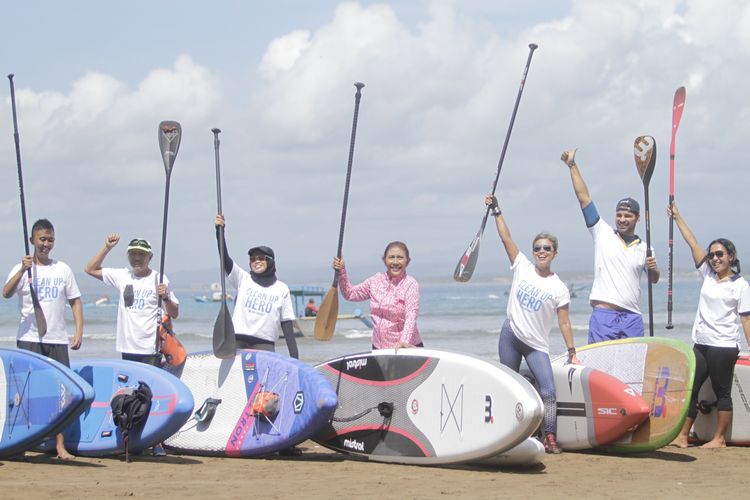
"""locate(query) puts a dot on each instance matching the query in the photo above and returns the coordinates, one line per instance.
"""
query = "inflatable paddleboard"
(660, 370)
(423, 406)
(95, 433)
(738, 432)
(594, 408)
(529, 452)
(39, 397)
(255, 403)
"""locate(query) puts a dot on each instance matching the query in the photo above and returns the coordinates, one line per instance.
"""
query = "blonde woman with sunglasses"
(723, 307)
(537, 297)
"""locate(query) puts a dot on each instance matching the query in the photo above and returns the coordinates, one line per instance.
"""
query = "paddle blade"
(328, 313)
(224, 343)
(170, 135)
(41, 321)
(467, 263)
(677, 107)
(644, 150)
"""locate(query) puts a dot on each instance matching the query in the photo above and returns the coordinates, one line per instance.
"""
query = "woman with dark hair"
(394, 299)
(263, 307)
(723, 306)
(537, 297)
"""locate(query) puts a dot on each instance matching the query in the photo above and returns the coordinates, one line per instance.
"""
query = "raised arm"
(354, 293)
(94, 266)
(579, 186)
(10, 286)
(502, 228)
(697, 251)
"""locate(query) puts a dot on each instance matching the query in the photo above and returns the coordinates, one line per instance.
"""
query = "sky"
(94, 79)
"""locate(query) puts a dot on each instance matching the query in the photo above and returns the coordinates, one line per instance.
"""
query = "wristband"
(571, 351)
(496, 211)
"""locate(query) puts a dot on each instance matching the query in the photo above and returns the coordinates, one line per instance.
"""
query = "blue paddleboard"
(255, 403)
(39, 398)
(95, 433)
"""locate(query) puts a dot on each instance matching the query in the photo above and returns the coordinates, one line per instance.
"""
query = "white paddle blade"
(170, 136)
(644, 151)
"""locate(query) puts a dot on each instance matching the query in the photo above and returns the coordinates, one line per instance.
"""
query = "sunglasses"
(257, 258)
(138, 242)
(539, 248)
(718, 254)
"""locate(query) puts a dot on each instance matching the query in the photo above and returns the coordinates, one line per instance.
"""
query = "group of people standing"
(263, 307)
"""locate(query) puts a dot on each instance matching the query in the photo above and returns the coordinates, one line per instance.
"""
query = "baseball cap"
(628, 205)
(140, 244)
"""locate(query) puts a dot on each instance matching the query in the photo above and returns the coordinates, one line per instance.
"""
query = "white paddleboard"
(529, 452)
(424, 406)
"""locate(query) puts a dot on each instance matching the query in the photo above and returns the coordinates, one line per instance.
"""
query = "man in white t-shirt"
(55, 287)
(620, 258)
(138, 312)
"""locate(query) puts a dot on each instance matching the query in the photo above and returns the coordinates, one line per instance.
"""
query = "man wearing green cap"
(619, 261)
(138, 311)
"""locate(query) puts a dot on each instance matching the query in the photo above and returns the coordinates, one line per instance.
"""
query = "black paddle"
(170, 135)
(677, 107)
(644, 150)
(224, 342)
(468, 261)
(325, 321)
(41, 321)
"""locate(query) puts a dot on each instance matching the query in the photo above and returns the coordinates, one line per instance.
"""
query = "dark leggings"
(511, 349)
(718, 364)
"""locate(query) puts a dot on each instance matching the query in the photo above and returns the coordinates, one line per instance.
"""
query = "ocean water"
(461, 317)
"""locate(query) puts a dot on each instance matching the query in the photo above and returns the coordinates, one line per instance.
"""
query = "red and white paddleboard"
(738, 432)
(594, 408)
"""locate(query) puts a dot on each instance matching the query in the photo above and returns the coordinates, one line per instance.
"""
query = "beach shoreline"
(322, 474)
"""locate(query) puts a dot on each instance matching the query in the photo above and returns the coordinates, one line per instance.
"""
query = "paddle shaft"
(677, 108)
(648, 254)
(41, 321)
(357, 98)
(216, 133)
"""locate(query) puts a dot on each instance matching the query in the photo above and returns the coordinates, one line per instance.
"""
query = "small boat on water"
(215, 295)
(305, 322)
(102, 301)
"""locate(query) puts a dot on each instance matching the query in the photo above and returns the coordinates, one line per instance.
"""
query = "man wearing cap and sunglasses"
(138, 308)
(619, 261)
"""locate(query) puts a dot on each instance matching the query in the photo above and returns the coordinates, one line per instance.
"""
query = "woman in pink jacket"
(394, 299)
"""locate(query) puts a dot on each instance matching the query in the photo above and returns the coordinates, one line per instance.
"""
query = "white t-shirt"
(258, 310)
(617, 268)
(717, 322)
(136, 325)
(533, 303)
(55, 285)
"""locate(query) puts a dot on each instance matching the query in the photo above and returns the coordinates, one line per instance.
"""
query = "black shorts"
(250, 342)
(58, 352)
(147, 359)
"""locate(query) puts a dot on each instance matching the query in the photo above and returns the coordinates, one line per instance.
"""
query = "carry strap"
(207, 410)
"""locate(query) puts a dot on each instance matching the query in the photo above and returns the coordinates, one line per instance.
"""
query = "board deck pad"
(94, 433)
(425, 406)
(660, 370)
(228, 393)
(738, 432)
(39, 397)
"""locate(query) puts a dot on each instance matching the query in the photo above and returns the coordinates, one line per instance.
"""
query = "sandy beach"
(319, 473)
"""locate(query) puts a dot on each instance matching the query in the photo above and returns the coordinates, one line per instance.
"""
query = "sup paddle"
(41, 321)
(325, 321)
(677, 107)
(224, 342)
(170, 135)
(468, 261)
(644, 150)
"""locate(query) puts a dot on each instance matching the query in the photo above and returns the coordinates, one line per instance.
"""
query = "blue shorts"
(607, 324)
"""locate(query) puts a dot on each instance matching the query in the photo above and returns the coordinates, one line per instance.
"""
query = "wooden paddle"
(644, 150)
(468, 261)
(325, 321)
(677, 107)
(224, 341)
(41, 321)
(170, 136)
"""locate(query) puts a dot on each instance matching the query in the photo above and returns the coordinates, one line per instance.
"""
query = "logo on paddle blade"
(170, 131)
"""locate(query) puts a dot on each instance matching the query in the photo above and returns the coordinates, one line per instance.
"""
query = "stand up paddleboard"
(95, 433)
(660, 370)
(738, 432)
(529, 452)
(423, 406)
(255, 403)
(39, 397)
(594, 408)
